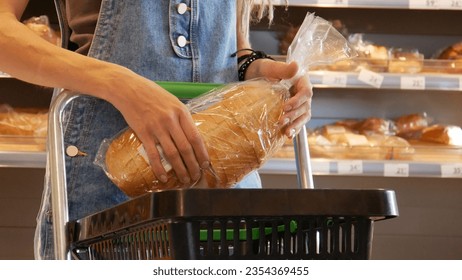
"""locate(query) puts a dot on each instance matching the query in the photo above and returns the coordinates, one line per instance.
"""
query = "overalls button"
(73, 151)
(182, 8)
(181, 40)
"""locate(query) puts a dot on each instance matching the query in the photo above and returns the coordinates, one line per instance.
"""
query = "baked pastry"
(453, 51)
(411, 126)
(405, 61)
(41, 26)
(375, 125)
(240, 131)
(443, 134)
(386, 147)
(23, 124)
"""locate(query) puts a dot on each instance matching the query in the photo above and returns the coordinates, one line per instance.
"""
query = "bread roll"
(19, 123)
(452, 52)
(443, 134)
(410, 126)
(240, 131)
(374, 125)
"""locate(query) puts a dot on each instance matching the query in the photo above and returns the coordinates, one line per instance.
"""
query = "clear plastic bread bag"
(238, 121)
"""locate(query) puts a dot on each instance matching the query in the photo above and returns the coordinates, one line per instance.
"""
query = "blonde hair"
(254, 11)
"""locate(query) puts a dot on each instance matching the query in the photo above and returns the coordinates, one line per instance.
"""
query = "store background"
(428, 226)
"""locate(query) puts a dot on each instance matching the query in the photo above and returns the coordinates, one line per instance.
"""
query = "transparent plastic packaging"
(23, 122)
(22, 129)
(41, 26)
(238, 122)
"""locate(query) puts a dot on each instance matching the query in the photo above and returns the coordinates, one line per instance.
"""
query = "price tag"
(350, 167)
(451, 4)
(396, 170)
(424, 4)
(343, 3)
(413, 82)
(339, 80)
(370, 78)
(451, 170)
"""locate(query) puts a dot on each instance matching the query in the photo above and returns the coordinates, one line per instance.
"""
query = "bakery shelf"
(382, 4)
(23, 159)
(369, 79)
(435, 75)
(387, 168)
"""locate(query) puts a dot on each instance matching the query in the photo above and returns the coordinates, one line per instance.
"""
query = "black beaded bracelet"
(245, 60)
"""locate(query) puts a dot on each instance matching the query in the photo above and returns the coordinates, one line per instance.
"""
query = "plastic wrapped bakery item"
(411, 126)
(374, 125)
(370, 56)
(453, 52)
(22, 129)
(388, 147)
(23, 122)
(405, 61)
(448, 60)
(239, 125)
(41, 26)
(442, 134)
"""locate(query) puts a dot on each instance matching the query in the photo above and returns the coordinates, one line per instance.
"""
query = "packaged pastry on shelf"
(405, 61)
(41, 26)
(442, 134)
(410, 126)
(452, 52)
(447, 60)
(322, 147)
(387, 147)
(23, 122)
(370, 56)
(22, 129)
(375, 125)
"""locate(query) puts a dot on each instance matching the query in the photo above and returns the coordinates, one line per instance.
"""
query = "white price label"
(370, 78)
(424, 4)
(460, 83)
(451, 170)
(451, 4)
(396, 170)
(413, 82)
(343, 3)
(322, 167)
(350, 167)
(339, 80)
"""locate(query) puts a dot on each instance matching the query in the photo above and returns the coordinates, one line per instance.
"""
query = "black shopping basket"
(283, 223)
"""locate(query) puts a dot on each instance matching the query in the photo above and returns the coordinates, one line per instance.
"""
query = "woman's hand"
(297, 110)
(159, 118)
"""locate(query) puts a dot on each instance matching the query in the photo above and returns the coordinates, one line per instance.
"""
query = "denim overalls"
(163, 40)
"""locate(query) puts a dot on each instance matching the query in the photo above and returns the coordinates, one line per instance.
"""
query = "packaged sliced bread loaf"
(239, 125)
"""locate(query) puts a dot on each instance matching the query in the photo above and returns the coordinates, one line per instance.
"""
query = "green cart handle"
(187, 90)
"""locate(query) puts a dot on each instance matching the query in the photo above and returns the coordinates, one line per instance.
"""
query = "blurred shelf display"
(383, 4)
(345, 167)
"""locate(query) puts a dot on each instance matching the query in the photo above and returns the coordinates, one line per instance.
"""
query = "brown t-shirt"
(82, 16)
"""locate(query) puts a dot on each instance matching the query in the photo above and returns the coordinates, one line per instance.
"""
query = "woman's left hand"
(297, 110)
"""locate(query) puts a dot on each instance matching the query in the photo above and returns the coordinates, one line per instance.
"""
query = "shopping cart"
(286, 223)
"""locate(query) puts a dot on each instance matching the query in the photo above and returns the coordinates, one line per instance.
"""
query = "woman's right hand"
(159, 118)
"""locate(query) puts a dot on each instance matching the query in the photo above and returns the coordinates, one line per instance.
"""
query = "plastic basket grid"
(306, 237)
